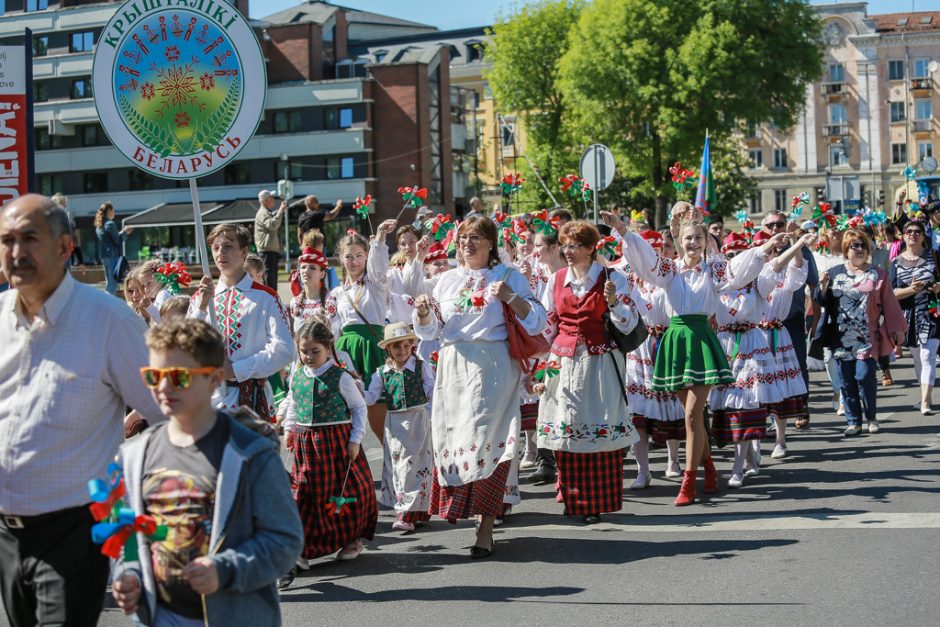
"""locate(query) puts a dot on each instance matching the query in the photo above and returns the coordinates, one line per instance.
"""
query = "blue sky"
(450, 15)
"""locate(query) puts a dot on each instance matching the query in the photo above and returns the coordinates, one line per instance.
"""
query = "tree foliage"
(649, 77)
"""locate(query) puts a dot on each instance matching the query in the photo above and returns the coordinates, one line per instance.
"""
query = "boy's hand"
(126, 593)
(353, 449)
(205, 291)
(202, 575)
(290, 440)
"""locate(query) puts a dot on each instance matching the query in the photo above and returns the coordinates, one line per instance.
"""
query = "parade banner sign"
(15, 123)
(179, 85)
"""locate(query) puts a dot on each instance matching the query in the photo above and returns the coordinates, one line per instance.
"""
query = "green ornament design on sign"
(171, 85)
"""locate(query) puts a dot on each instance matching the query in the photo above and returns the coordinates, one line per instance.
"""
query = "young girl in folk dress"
(325, 421)
(407, 384)
(361, 304)
(312, 301)
(690, 360)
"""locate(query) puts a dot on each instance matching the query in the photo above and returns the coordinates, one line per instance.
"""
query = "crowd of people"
(491, 346)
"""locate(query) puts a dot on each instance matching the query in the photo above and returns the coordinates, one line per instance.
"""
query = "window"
(82, 42)
(780, 158)
(923, 109)
(474, 52)
(838, 156)
(837, 113)
(81, 88)
(45, 141)
(36, 5)
(898, 154)
(780, 200)
(49, 184)
(924, 150)
(836, 73)
(236, 173)
(94, 182)
(287, 121)
(507, 133)
(338, 118)
(751, 129)
(346, 167)
(898, 111)
(756, 155)
(920, 69)
(40, 45)
(296, 172)
(896, 70)
(333, 168)
(92, 135)
(40, 92)
(757, 207)
(345, 118)
(138, 180)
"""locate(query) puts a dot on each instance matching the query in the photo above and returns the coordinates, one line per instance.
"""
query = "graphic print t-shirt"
(179, 491)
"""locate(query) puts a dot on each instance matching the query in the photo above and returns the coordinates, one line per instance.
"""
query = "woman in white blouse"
(475, 416)
(690, 359)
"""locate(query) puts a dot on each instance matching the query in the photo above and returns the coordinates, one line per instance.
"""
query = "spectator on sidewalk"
(313, 217)
(110, 244)
(268, 223)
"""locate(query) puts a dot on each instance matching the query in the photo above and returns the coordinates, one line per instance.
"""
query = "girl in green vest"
(407, 384)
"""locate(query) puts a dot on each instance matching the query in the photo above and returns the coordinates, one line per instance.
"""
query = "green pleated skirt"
(361, 341)
(689, 354)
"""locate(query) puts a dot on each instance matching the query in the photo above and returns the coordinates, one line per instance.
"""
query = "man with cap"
(268, 234)
(313, 217)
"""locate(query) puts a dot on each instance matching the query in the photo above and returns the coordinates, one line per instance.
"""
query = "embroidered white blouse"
(454, 319)
(623, 314)
(350, 393)
(377, 386)
(785, 286)
(369, 293)
(694, 289)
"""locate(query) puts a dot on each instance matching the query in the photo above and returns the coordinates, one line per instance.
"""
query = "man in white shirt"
(69, 366)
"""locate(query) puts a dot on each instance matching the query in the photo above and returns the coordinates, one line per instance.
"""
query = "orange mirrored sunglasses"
(180, 378)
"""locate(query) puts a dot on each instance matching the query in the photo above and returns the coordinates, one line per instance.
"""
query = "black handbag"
(625, 342)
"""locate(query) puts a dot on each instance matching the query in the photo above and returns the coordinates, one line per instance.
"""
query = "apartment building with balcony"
(335, 127)
(871, 114)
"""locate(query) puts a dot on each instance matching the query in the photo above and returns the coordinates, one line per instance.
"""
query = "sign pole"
(200, 233)
(597, 178)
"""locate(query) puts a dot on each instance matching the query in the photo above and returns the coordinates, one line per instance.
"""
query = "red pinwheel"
(512, 183)
(934, 307)
(434, 358)
(682, 178)
(503, 220)
(609, 247)
(440, 226)
(823, 211)
(173, 276)
(544, 224)
(546, 370)
(362, 206)
(575, 187)
(413, 197)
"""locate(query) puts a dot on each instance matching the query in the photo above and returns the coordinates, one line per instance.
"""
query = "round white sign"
(179, 89)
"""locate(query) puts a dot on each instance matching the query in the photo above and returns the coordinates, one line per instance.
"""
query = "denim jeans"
(111, 283)
(858, 387)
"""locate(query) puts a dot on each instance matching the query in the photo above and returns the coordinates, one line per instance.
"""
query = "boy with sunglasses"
(219, 488)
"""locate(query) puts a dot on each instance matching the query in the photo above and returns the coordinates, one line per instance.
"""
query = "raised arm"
(646, 262)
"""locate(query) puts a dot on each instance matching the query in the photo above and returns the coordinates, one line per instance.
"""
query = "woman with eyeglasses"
(690, 359)
(863, 319)
(583, 414)
(913, 275)
(475, 418)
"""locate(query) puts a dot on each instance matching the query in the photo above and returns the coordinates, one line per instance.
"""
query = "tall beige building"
(872, 114)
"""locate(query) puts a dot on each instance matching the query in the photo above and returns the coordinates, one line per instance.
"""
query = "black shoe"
(545, 474)
(592, 519)
(478, 552)
(285, 581)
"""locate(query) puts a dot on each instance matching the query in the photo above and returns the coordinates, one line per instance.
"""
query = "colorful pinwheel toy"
(512, 183)
(502, 220)
(173, 277)
(413, 197)
(362, 206)
(546, 370)
(440, 226)
(910, 172)
(796, 206)
(874, 218)
(434, 358)
(822, 246)
(116, 523)
(741, 216)
(844, 222)
(544, 224)
(609, 247)
(637, 216)
(823, 211)
(934, 306)
(575, 187)
(335, 504)
(682, 178)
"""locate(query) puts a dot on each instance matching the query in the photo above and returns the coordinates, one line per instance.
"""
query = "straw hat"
(396, 332)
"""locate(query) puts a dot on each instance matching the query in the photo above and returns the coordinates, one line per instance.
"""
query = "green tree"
(649, 77)
(523, 51)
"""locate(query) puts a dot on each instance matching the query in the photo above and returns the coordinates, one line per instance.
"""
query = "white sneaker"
(874, 427)
(673, 470)
(852, 430)
(735, 482)
(642, 482)
(303, 563)
(751, 471)
(528, 464)
(780, 451)
(402, 525)
(841, 410)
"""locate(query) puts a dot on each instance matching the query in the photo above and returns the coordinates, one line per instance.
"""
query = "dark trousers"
(51, 573)
(796, 327)
(270, 268)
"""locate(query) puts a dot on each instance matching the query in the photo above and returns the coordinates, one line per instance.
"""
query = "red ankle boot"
(711, 477)
(687, 491)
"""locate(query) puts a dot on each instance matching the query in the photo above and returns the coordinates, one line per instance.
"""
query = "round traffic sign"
(597, 166)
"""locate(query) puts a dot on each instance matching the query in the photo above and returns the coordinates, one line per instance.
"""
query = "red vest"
(579, 319)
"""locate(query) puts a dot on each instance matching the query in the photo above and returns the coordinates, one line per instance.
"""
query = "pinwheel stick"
(407, 204)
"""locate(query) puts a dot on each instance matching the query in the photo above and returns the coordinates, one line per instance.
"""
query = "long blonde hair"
(102, 215)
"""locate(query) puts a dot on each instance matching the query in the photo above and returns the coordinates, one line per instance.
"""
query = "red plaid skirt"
(660, 430)
(530, 414)
(793, 407)
(590, 483)
(320, 464)
(251, 395)
(738, 425)
(415, 517)
(483, 497)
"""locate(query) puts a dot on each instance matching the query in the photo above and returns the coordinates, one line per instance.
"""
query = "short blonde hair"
(191, 336)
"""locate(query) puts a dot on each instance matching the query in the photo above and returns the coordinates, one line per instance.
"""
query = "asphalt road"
(843, 531)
